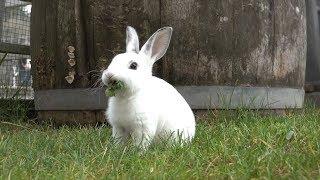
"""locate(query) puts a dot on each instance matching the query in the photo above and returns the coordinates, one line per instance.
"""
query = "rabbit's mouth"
(112, 83)
(114, 87)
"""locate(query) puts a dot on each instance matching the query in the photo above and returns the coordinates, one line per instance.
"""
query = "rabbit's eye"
(133, 66)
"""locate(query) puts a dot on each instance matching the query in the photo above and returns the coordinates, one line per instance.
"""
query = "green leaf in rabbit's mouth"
(114, 87)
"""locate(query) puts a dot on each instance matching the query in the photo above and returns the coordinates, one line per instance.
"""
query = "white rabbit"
(147, 108)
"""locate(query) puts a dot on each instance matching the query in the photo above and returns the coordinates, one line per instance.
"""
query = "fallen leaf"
(71, 55)
(71, 49)
(72, 62)
(290, 135)
(70, 79)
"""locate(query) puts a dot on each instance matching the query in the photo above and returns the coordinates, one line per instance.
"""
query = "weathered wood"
(228, 97)
(252, 42)
(97, 31)
(110, 21)
(199, 97)
(88, 18)
(72, 117)
(55, 26)
(216, 44)
(62, 26)
(312, 86)
(81, 45)
(261, 43)
(98, 26)
(38, 47)
(313, 55)
(308, 87)
(71, 99)
(183, 51)
(2, 11)
(14, 48)
(66, 29)
(313, 98)
(44, 44)
(51, 45)
(290, 43)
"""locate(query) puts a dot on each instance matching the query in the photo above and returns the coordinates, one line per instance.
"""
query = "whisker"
(92, 71)
(95, 86)
(96, 75)
(94, 90)
(101, 85)
(96, 83)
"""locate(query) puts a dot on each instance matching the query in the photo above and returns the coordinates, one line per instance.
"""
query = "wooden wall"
(221, 42)
(261, 43)
(95, 28)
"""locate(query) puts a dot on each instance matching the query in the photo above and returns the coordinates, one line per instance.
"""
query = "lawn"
(240, 146)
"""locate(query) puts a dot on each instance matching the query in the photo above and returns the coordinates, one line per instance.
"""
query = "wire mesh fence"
(15, 63)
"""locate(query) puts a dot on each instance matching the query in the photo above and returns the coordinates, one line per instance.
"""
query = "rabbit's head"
(133, 66)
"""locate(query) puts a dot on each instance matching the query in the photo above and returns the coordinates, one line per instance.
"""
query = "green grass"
(226, 146)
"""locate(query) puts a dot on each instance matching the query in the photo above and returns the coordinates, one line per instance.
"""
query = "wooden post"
(2, 14)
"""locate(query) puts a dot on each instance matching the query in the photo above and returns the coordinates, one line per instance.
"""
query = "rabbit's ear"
(132, 40)
(157, 44)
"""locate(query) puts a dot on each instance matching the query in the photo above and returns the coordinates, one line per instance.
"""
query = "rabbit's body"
(138, 112)
(147, 108)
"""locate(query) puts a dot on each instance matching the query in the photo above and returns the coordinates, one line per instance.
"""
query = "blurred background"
(15, 67)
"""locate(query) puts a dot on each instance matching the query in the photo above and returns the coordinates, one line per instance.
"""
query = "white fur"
(148, 108)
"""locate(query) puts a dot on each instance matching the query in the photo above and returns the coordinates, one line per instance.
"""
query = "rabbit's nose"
(108, 75)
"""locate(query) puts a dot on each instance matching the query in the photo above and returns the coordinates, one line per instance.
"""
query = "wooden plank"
(81, 44)
(70, 99)
(180, 64)
(260, 43)
(61, 27)
(51, 45)
(253, 33)
(199, 97)
(66, 30)
(82, 118)
(88, 18)
(14, 48)
(228, 97)
(38, 46)
(313, 54)
(308, 87)
(44, 43)
(313, 86)
(215, 46)
(290, 43)
(2, 11)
